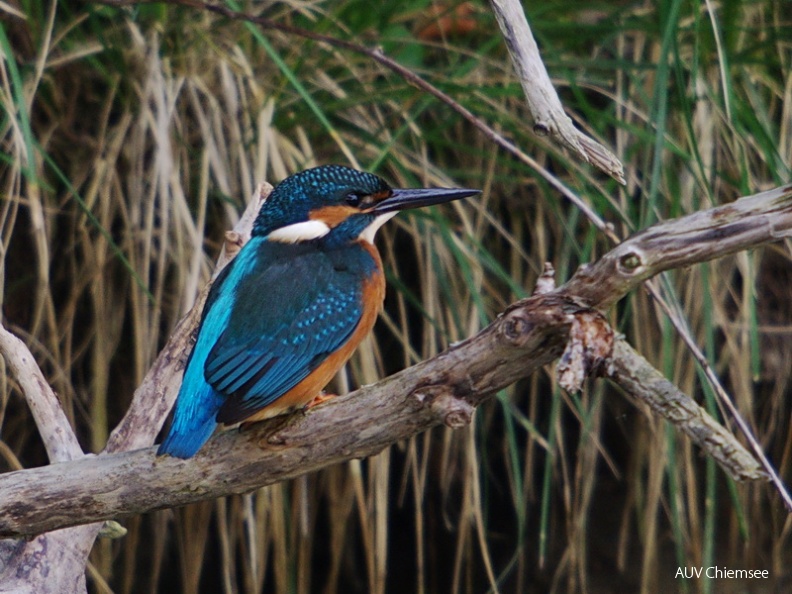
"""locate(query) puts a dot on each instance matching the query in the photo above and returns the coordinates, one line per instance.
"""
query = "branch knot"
(516, 327)
(453, 411)
(630, 263)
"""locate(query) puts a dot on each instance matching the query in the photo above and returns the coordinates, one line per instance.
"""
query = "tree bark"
(565, 322)
(443, 390)
(540, 95)
(54, 562)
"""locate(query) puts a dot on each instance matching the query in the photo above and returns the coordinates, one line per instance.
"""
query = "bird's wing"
(288, 316)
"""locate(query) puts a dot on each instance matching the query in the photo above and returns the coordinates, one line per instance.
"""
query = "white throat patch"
(370, 231)
(304, 231)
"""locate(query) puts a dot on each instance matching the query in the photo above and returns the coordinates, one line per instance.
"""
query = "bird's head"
(339, 204)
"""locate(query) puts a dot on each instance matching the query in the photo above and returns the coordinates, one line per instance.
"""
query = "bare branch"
(643, 382)
(443, 390)
(744, 224)
(543, 102)
(720, 393)
(53, 425)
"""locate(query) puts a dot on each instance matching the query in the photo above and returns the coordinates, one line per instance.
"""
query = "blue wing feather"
(194, 417)
(273, 315)
(255, 367)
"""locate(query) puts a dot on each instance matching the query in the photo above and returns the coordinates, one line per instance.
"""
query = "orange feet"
(320, 398)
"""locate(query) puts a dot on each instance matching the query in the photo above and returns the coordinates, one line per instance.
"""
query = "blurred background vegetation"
(133, 136)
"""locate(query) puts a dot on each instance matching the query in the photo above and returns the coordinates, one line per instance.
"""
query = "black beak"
(409, 198)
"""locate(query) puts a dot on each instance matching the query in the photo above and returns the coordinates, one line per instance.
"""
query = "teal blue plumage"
(292, 297)
(307, 303)
(264, 332)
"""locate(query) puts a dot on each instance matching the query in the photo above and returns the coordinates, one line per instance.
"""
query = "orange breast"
(311, 386)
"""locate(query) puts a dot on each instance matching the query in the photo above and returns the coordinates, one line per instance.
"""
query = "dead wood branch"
(543, 102)
(53, 425)
(644, 383)
(54, 562)
(445, 389)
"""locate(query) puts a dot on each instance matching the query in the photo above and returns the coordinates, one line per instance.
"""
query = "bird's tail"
(193, 421)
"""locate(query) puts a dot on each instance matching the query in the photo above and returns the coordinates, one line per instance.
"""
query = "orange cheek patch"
(333, 215)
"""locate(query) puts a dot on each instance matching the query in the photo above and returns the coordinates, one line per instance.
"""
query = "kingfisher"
(289, 310)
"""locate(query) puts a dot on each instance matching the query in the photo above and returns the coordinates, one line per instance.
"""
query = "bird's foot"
(320, 398)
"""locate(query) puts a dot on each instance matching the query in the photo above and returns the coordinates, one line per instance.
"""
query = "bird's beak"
(402, 199)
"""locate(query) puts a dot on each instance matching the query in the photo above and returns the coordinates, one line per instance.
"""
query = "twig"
(643, 382)
(543, 102)
(724, 399)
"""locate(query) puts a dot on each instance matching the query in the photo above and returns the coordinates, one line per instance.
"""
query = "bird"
(289, 310)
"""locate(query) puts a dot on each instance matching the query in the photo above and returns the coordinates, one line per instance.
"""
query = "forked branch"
(442, 390)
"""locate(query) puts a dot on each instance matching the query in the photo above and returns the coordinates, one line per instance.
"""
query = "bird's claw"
(320, 398)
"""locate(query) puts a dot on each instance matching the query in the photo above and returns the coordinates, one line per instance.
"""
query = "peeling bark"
(443, 390)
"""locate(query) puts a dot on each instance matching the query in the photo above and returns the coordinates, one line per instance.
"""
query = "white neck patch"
(370, 231)
(304, 231)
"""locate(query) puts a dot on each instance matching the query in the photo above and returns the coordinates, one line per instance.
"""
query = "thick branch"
(744, 224)
(442, 390)
(445, 389)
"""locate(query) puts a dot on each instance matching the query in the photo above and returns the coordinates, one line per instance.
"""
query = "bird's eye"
(354, 198)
